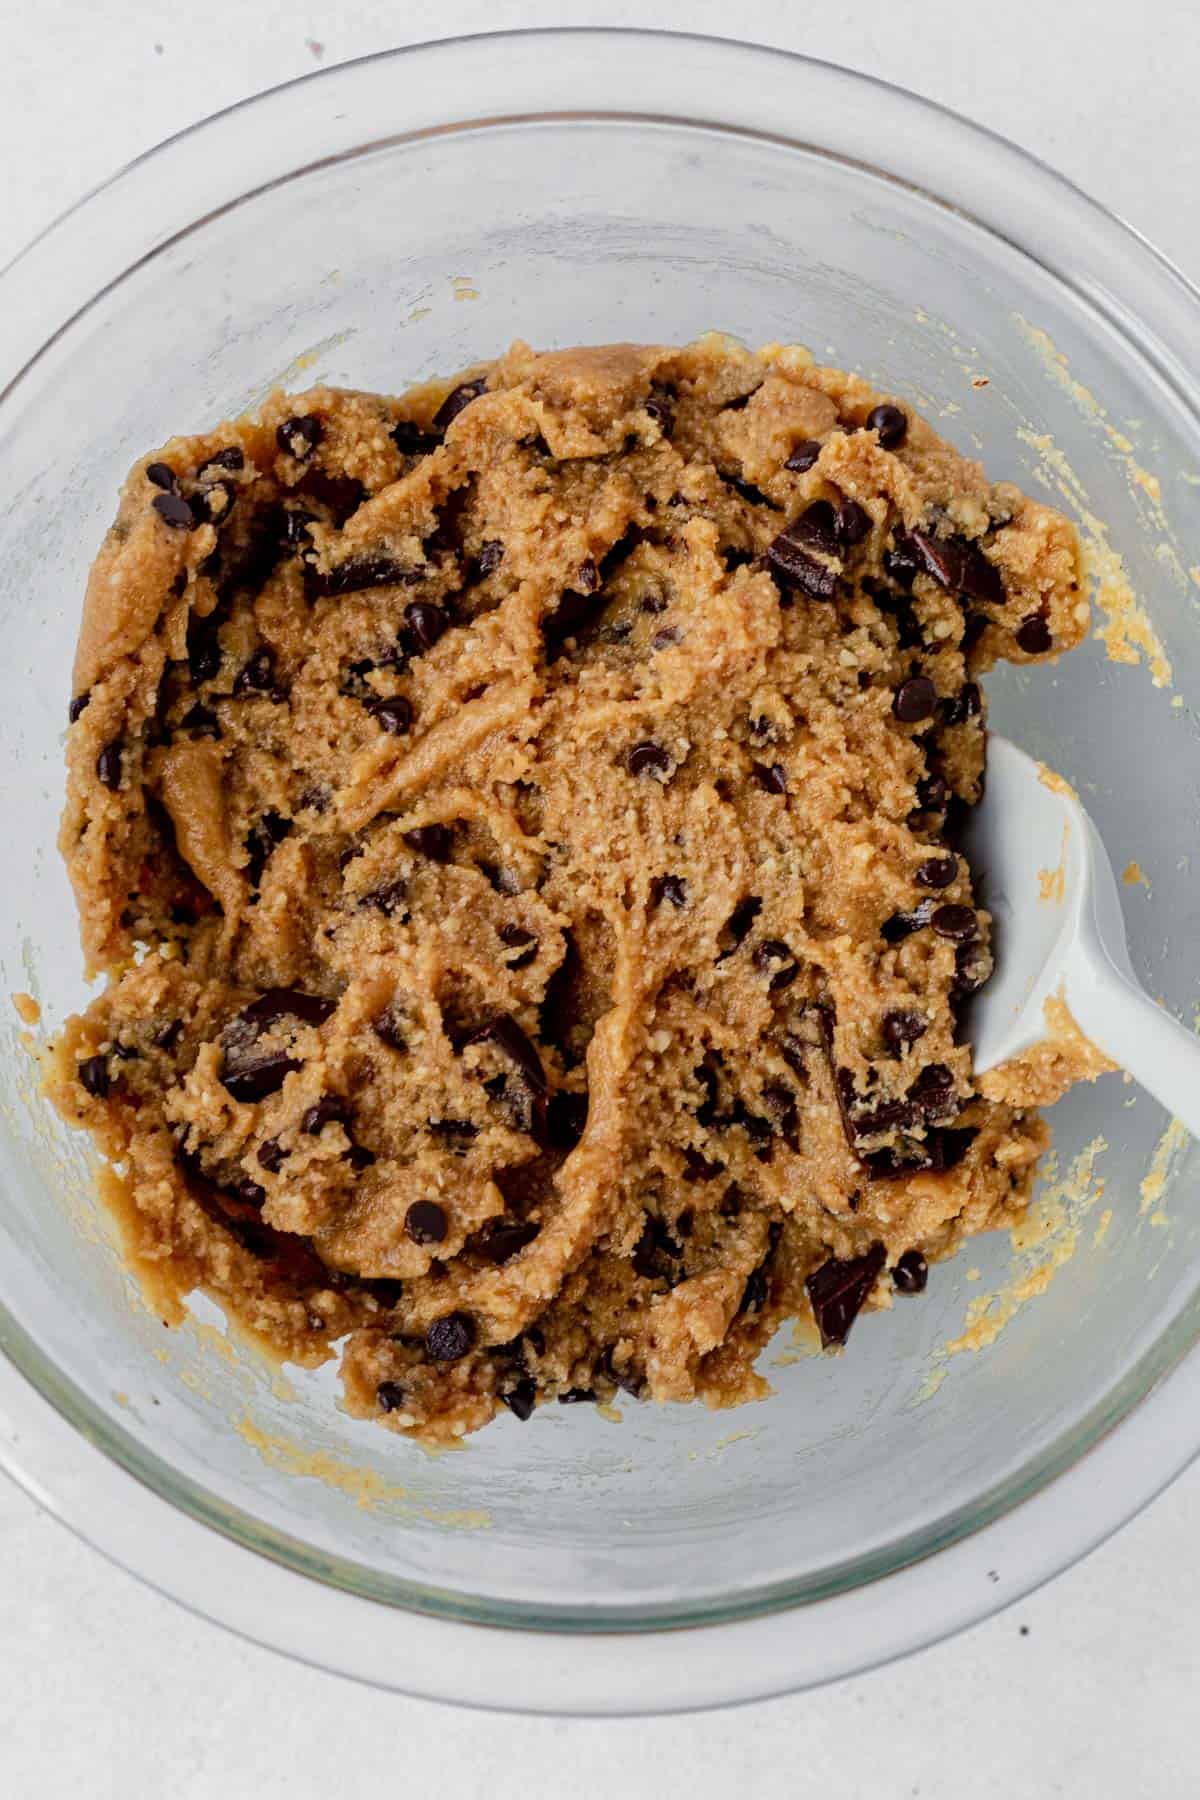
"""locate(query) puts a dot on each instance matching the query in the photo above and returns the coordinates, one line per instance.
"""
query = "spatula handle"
(1123, 1021)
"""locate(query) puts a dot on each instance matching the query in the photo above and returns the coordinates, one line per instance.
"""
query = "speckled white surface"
(1086, 1689)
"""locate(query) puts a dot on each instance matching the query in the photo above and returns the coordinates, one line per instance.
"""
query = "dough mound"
(515, 822)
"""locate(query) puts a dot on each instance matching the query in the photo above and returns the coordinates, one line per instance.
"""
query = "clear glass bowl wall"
(404, 256)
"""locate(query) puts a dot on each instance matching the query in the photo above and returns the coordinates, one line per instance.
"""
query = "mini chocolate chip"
(257, 675)
(411, 440)
(108, 764)
(517, 938)
(450, 1338)
(915, 699)
(299, 436)
(162, 476)
(910, 1273)
(648, 759)
(395, 714)
(426, 1222)
(500, 1239)
(668, 887)
(330, 1109)
(434, 841)
(521, 1400)
(937, 872)
(174, 510)
(839, 1288)
(426, 621)
(774, 957)
(771, 777)
(853, 522)
(457, 400)
(77, 705)
(491, 555)
(390, 1396)
(93, 1076)
(957, 923)
(903, 924)
(389, 1029)
(901, 1027)
(200, 721)
(272, 1156)
(891, 422)
(803, 456)
(231, 457)
(1033, 635)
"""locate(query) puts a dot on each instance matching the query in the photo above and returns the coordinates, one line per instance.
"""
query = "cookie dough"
(516, 823)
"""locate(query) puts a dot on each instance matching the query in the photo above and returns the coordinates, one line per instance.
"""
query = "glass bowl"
(399, 217)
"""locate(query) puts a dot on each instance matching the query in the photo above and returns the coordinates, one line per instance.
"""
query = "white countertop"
(1085, 1689)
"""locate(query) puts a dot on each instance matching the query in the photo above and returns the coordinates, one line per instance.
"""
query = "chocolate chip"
(200, 721)
(359, 1157)
(500, 1239)
(521, 1400)
(754, 496)
(668, 887)
(215, 502)
(395, 714)
(389, 1029)
(853, 522)
(937, 872)
(915, 699)
(426, 1222)
(754, 1294)
(390, 1396)
(411, 440)
(299, 436)
(973, 966)
(698, 1168)
(966, 704)
(450, 1338)
(161, 475)
(739, 922)
(457, 400)
(174, 510)
(434, 841)
(957, 923)
(838, 1289)
(648, 759)
(93, 1076)
(891, 422)
(803, 456)
(577, 1396)
(901, 1027)
(262, 838)
(257, 675)
(771, 777)
(900, 560)
(456, 1134)
(1033, 635)
(358, 573)
(517, 938)
(108, 765)
(167, 1036)
(78, 705)
(933, 793)
(330, 1109)
(910, 1273)
(232, 457)
(508, 1037)
(491, 555)
(272, 1156)
(389, 899)
(903, 924)
(294, 527)
(426, 621)
(774, 957)
(566, 1119)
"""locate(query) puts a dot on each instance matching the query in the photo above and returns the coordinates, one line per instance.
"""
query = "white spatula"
(1043, 874)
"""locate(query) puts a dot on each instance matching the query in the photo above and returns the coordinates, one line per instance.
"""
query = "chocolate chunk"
(915, 699)
(200, 721)
(93, 1076)
(450, 1338)
(942, 558)
(78, 705)
(803, 456)
(426, 621)
(1033, 635)
(853, 523)
(754, 496)
(390, 1396)
(648, 759)
(903, 924)
(395, 714)
(566, 1119)
(389, 1029)
(668, 887)
(250, 1074)
(257, 675)
(358, 573)
(504, 1032)
(108, 765)
(891, 422)
(521, 1400)
(161, 475)
(411, 440)
(577, 1396)
(457, 400)
(771, 777)
(698, 1168)
(966, 704)
(330, 1109)
(980, 579)
(517, 938)
(937, 872)
(426, 1222)
(359, 1157)
(574, 611)
(434, 841)
(774, 958)
(500, 1239)
(901, 1027)
(790, 555)
(272, 1156)
(739, 922)
(933, 1090)
(491, 555)
(299, 436)
(910, 1273)
(456, 1134)
(958, 923)
(174, 511)
(215, 502)
(294, 526)
(780, 1103)
(838, 1289)
(950, 1145)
